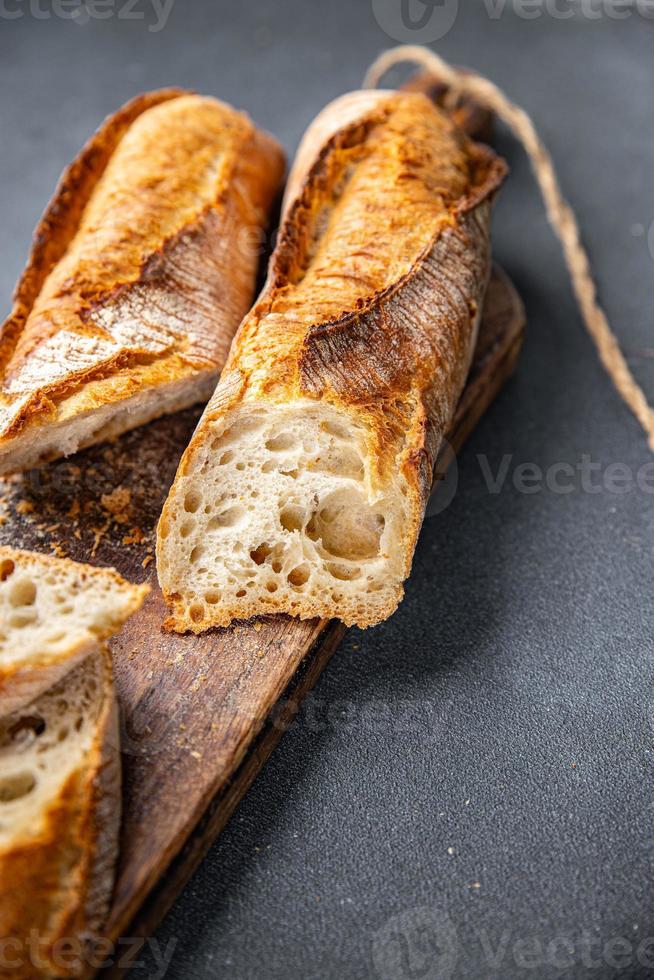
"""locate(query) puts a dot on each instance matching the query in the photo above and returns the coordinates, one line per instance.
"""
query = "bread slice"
(59, 822)
(304, 486)
(141, 270)
(53, 612)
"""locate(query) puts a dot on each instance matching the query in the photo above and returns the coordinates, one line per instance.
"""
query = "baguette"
(52, 613)
(59, 823)
(141, 269)
(304, 487)
(59, 759)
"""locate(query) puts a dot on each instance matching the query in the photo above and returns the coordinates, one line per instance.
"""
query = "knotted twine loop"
(559, 213)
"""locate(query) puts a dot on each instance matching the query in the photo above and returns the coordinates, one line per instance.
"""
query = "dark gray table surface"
(469, 793)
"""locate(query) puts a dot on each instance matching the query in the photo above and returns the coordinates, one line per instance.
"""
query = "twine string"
(559, 213)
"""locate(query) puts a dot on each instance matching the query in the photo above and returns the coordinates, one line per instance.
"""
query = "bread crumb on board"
(118, 503)
(98, 534)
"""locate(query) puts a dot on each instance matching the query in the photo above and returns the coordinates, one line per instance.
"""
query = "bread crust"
(387, 338)
(57, 879)
(21, 681)
(140, 271)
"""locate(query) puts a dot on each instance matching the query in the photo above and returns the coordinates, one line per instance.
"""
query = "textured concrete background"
(470, 791)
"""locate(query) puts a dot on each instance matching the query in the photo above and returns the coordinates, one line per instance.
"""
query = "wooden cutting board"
(199, 715)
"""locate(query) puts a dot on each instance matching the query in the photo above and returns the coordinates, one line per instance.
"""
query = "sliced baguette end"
(54, 612)
(281, 509)
(59, 820)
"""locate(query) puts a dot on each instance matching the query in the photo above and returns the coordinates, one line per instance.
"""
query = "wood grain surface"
(199, 715)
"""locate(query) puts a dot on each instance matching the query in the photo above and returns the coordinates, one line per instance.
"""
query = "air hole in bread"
(19, 620)
(16, 785)
(281, 442)
(346, 573)
(292, 517)
(228, 518)
(197, 612)
(26, 728)
(186, 528)
(192, 501)
(339, 461)
(335, 429)
(311, 529)
(226, 457)
(348, 527)
(196, 554)
(22, 592)
(299, 575)
(259, 555)
(6, 569)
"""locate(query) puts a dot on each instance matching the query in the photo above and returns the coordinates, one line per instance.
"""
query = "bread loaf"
(52, 613)
(304, 486)
(59, 821)
(141, 270)
(59, 760)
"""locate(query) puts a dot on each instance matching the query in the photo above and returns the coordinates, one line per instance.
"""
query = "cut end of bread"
(60, 815)
(52, 612)
(42, 744)
(75, 426)
(280, 510)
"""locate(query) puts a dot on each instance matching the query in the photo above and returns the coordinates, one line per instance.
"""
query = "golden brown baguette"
(141, 269)
(59, 822)
(305, 484)
(59, 758)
